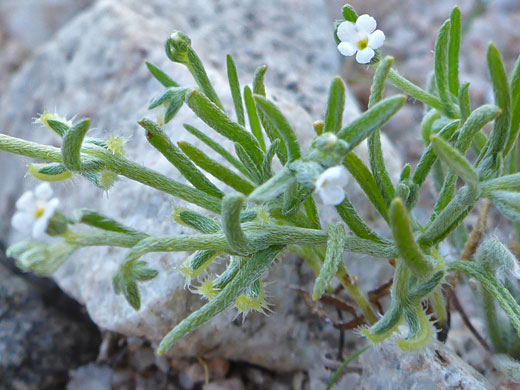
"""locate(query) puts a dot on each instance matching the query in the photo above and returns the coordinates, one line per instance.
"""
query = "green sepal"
(349, 14)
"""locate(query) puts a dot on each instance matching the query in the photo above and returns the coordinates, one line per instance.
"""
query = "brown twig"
(466, 320)
(478, 231)
(316, 309)
(375, 295)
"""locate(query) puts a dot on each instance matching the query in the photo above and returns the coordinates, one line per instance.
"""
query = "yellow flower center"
(39, 212)
(362, 44)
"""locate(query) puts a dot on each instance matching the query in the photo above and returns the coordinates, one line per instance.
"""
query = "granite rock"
(40, 340)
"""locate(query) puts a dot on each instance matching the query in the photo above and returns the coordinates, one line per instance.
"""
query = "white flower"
(330, 184)
(360, 38)
(35, 210)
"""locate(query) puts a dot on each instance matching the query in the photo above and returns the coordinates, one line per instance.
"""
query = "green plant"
(275, 211)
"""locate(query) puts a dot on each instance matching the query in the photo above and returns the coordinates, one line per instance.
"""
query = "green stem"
(119, 165)
(414, 91)
(357, 295)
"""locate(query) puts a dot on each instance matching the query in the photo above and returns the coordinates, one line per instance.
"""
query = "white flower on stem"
(360, 38)
(330, 184)
(35, 210)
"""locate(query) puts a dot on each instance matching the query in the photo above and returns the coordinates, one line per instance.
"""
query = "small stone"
(90, 377)
(218, 368)
(192, 375)
(227, 384)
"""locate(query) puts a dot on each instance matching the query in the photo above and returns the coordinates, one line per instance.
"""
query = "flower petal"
(26, 201)
(332, 195)
(347, 48)
(22, 221)
(43, 191)
(365, 56)
(366, 24)
(347, 32)
(336, 175)
(376, 39)
(39, 227)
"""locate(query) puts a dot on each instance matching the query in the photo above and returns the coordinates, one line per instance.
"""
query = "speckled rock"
(435, 367)
(39, 343)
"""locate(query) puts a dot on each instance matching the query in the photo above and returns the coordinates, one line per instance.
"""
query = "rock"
(90, 377)
(39, 343)
(32, 23)
(25, 25)
(434, 367)
(79, 73)
(386, 367)
(226, 384)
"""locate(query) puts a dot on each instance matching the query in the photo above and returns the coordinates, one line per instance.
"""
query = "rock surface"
(39, 343)
(434, 367)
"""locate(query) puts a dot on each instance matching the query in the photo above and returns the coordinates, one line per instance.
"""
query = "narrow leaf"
(454, 159)
(100, 221)
(362, 175)
(464, 102)
(158, 138)
(515, 107)
(375, 150)
(408, 249)
(335, 106)
(350, 216)
(71, 147)
(161, 76)
(268, 159)
(252, 270)
(251, 167)
(453, 51)
(497, 73)
(356, 131)
(201, 77)
(273, 114)
(333, 258)
(474, 123)
(441, 67)
(216, 169)
(215, 118)
(258, 80)
(252, 114)
(218, 148)
(234, 86)
(508, 203)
